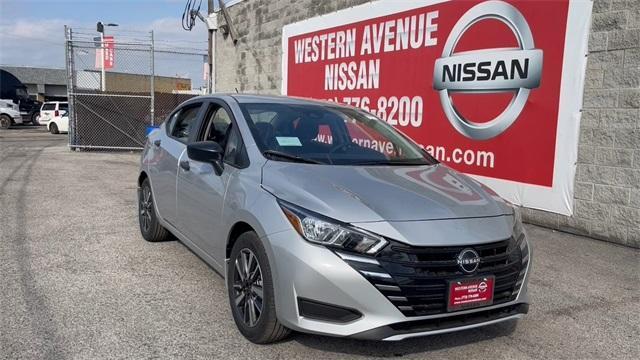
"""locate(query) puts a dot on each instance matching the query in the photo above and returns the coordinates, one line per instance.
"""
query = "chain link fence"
(120, 85)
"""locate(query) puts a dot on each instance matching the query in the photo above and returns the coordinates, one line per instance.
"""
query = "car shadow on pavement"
(405, 347)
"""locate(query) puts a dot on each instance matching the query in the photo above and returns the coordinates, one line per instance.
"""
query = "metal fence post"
(68, 50)
(153, 75)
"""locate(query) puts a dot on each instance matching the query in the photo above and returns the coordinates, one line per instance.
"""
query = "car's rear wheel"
(150, 227)
(5, 122)
(250, 288)
(53, 128)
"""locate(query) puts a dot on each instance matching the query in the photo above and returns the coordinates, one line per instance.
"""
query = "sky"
(32, 31)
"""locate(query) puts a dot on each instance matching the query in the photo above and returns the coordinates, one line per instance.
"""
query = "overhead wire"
(190, 13)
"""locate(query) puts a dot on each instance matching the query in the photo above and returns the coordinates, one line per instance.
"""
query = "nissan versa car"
(325, 219)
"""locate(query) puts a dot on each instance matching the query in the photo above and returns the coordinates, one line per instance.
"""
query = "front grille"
(415, 279)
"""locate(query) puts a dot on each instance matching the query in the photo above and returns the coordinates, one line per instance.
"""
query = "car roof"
(255, 98)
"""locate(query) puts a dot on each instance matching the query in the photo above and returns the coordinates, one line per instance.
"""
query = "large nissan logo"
(489, 70)
(468, 260)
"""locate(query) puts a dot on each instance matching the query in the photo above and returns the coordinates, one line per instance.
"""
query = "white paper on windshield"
(288, 141)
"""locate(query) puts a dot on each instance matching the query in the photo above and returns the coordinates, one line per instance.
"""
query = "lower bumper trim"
(409, 329)
(326, 312)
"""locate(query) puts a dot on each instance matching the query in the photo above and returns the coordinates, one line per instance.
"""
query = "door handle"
(185, 165)
(157, 142)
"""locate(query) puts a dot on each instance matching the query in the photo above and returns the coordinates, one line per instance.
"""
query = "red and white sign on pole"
(109, 52)
(490, 88)
(106, 50)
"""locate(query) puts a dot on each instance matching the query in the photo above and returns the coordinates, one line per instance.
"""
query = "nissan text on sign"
(490, 88)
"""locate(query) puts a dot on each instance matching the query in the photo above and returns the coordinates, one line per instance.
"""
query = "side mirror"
(208, 152)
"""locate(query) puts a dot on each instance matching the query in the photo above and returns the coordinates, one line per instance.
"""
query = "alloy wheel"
(146, 207)
(248, 287)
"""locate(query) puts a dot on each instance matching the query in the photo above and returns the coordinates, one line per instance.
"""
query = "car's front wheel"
(250, 288)
(5, 122)
(150, 226)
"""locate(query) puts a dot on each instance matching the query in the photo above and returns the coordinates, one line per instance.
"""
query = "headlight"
(518, 229)
(319, 229)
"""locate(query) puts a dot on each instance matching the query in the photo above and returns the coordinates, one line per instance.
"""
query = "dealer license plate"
(470, 293)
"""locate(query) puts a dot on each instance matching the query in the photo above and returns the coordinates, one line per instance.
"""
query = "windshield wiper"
(284, 155)
(395, 162)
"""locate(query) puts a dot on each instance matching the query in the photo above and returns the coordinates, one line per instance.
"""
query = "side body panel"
(163, 175)
(201, 195)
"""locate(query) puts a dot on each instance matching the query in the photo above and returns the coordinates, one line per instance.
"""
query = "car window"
(235, 153)
(181, 122)
(325, 135)
(218, 127)
(170, 121)
(63, 106)
(48, 106)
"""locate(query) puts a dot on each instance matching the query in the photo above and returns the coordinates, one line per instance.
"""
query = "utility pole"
(210, 80)
(103, 74)
(188, 18)
(153, 79)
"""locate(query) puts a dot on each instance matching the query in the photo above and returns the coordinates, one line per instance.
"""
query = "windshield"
(328, 135)
(21, 93)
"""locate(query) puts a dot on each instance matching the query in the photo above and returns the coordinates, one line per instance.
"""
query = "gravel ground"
(78, 281)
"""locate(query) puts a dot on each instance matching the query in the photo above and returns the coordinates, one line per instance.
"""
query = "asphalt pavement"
(78, 281)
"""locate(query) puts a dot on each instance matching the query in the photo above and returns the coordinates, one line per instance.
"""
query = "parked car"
(9, 114)
(325, 219)
(59, 123)
(51, 110)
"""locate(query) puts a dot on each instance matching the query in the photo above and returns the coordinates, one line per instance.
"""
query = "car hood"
(382, 193)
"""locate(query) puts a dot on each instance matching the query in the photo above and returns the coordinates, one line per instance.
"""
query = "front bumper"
(452, 323)
(16, 118)
(303, 270)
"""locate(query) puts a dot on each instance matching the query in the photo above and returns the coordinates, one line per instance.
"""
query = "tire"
(150, 227)
(35, 117)
(266, 328)
(53, 128)
(5, 121)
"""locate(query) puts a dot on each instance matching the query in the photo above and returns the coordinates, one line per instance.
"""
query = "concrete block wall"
(607, 184)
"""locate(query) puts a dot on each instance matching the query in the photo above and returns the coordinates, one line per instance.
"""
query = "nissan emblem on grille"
(488, 70)
(468, 260)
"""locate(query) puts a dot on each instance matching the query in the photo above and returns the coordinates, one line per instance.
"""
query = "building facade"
(43, 84)
(46, 84)
(607, 182)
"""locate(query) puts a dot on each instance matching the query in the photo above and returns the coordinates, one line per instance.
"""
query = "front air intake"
(326, 312)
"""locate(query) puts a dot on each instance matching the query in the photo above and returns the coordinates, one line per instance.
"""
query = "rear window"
(48, 107)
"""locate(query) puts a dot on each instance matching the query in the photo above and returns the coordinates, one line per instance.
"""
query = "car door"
(168, 148)
(47, 111)
(63, 118)
(201, 192)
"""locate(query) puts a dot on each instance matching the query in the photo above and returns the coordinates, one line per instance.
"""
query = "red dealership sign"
(109, 52)
(105, 50)
(484, 86)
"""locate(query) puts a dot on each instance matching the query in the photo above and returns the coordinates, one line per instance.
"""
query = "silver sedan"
(324, 219)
